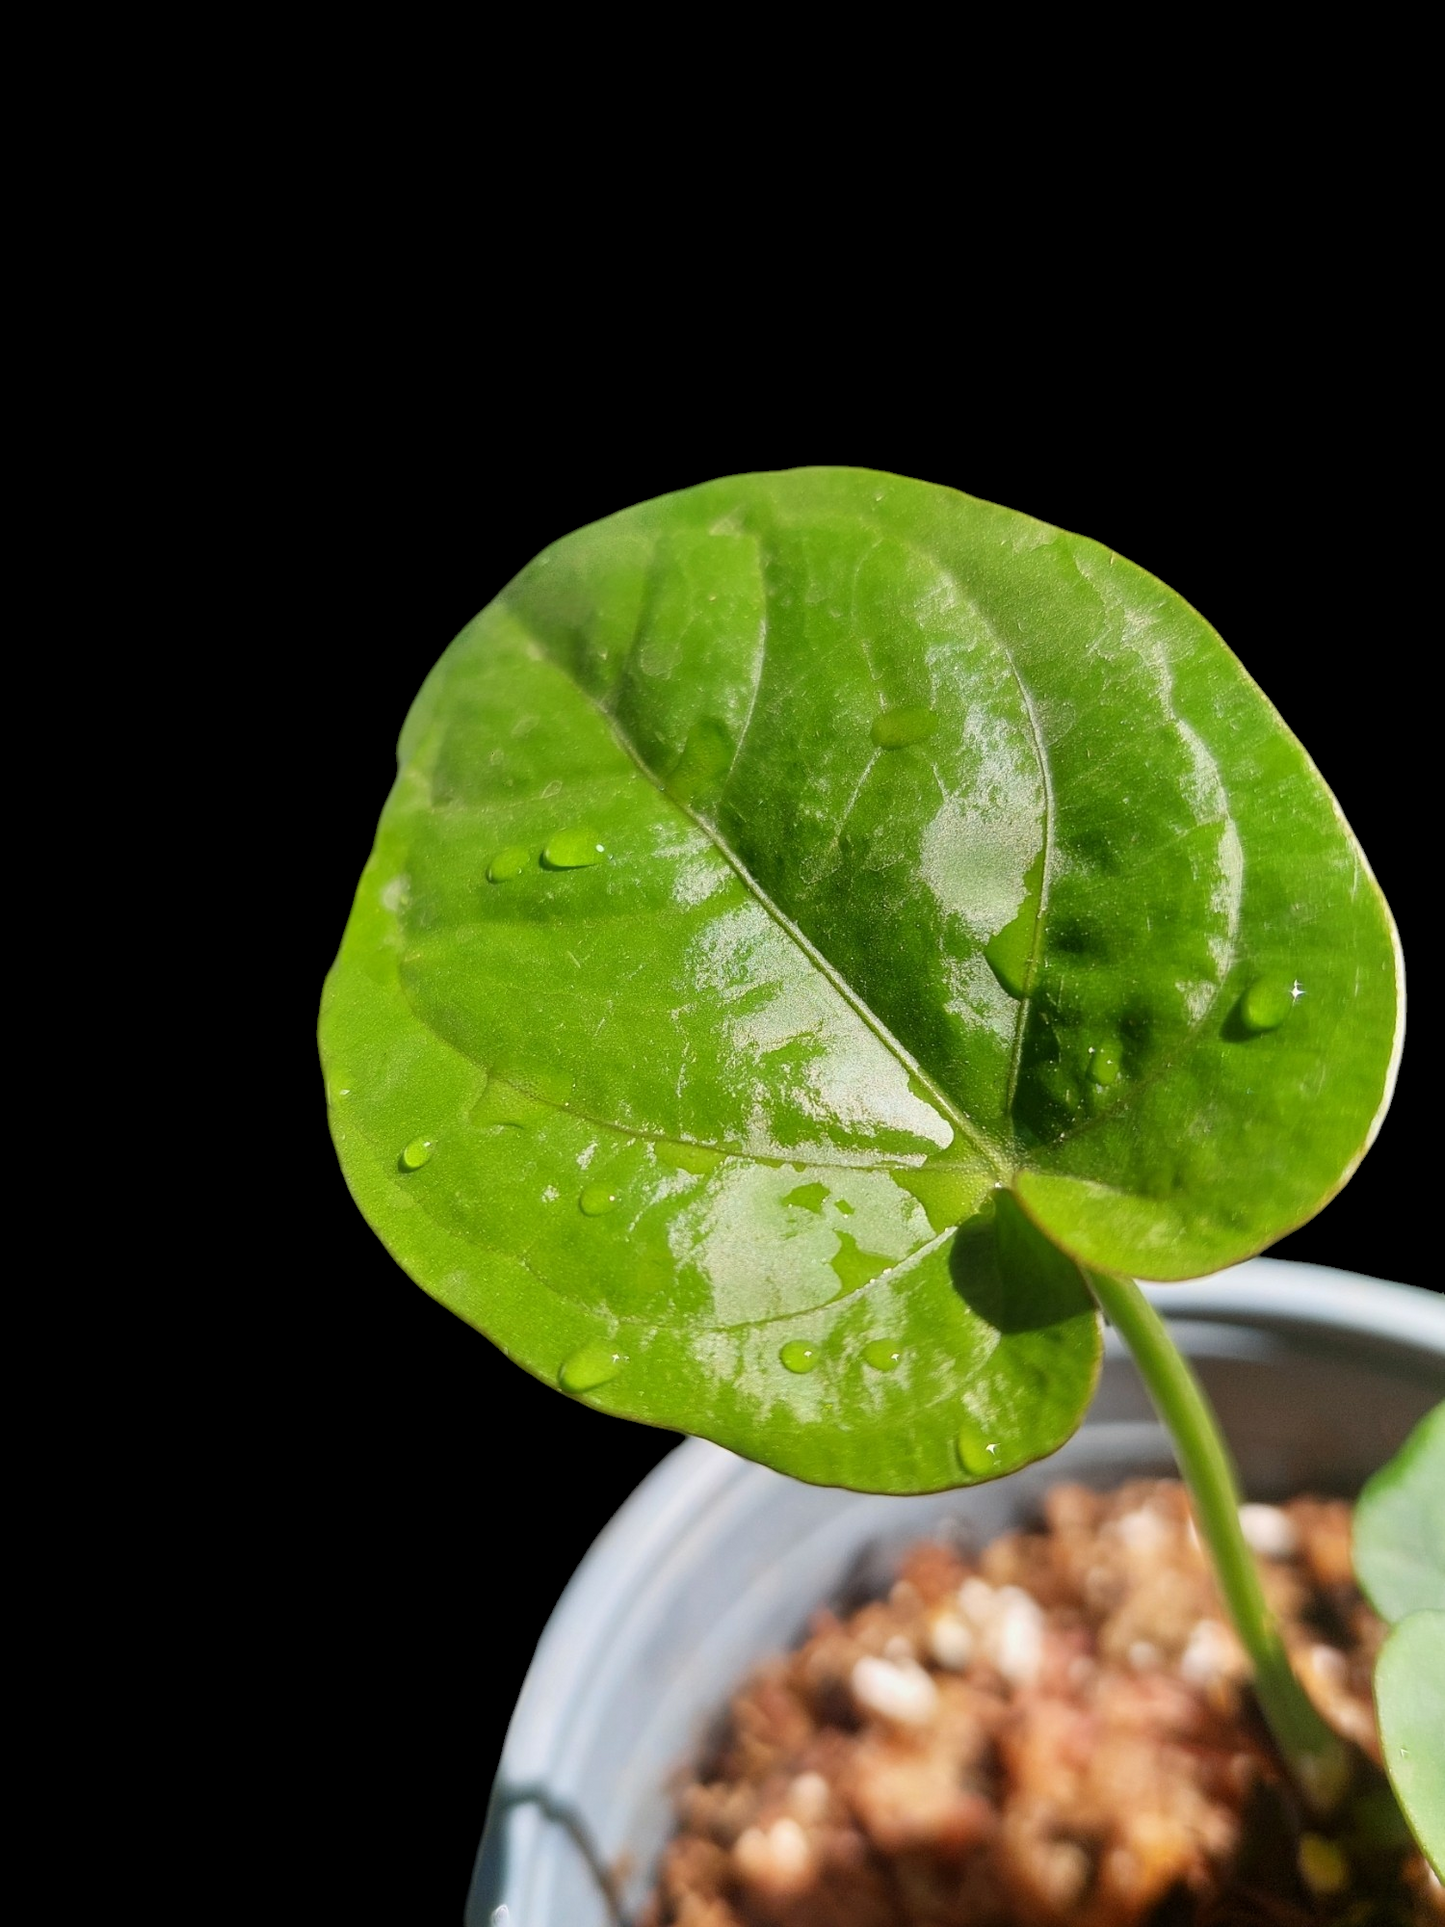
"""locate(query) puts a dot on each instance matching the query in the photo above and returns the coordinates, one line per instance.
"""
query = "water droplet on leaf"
(696, 1158)
(799, 1356)
(976, 1454)
(948, 1195)
(856, 1268)
(1267, 1002)
(416, 1154)
(808, 1197)
(596, 1200)
(501, 1103)
(1103, 1064)
(1013, 954)
(508, 863)
(573, 850)
(547, 1082)
(883, 1355)
(590, 1367)
(897, 728)
(706, 759)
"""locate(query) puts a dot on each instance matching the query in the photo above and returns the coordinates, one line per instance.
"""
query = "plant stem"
(1315, 1755)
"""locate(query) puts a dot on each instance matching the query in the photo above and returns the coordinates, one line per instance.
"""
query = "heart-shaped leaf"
(1410, 1703)
(1399, 1532)
(786, 872)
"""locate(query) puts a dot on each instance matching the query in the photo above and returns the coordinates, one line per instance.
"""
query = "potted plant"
(828, 937)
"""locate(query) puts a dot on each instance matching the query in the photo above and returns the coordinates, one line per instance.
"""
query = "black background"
(440, 1497)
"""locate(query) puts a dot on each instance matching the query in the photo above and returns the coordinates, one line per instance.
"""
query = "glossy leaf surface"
(785, 873)
(1399, 1532)
(1410, 1702)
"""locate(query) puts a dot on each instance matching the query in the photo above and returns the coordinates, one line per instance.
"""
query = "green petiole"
(1317, 1758)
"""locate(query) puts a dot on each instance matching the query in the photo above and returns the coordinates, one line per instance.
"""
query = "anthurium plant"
(829, 938)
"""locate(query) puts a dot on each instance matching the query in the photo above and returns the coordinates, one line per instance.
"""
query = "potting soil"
(1056, 1732)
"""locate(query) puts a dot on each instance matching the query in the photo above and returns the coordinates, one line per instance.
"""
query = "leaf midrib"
(640, 1134)
(965, 1126)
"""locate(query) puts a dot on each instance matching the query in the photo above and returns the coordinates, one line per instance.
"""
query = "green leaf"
(1399, 1547)
(1399, 1534)
(800, 867)
(1410, 1702)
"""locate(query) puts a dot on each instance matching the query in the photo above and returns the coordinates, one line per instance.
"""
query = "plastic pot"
(1317, 1377)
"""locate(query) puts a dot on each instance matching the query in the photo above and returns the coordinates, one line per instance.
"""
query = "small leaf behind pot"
(1400, 1526)
(1410, 1701)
